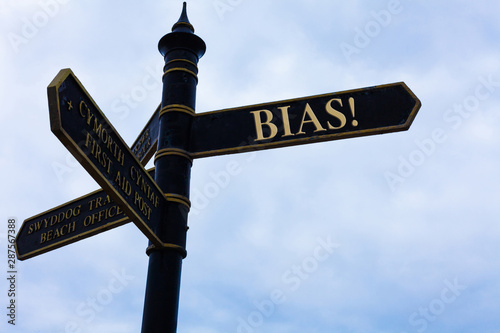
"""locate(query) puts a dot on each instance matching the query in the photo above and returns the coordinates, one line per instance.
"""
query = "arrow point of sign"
(416, 107)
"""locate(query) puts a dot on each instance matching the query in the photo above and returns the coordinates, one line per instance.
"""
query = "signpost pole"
(181, 50)
(160, 207)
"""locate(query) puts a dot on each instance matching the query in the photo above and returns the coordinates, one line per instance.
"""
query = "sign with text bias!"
(353, 113)
(82, 127)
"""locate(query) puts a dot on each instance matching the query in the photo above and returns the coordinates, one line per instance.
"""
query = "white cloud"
(397, 247)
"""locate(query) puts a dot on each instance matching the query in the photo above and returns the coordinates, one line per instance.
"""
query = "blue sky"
(390, 233)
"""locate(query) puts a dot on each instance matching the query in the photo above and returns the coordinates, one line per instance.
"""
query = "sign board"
(145, 145)
(82, 127)
(78, 219)
(353, 113)
(41, 233)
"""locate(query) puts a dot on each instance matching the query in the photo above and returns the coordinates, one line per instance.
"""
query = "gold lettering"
(132, 173)
(140, 181)
(35, 227)
(123, 183)
(77, 210)
(118, 179)
(154, 199)
(121, 156)
(113, 148)
(95, 203)
(102, 213)
(96, 151)
(54, 219)
(87, 221)
(312, 119)
(58, 232)
(104, 136)
(72, 227)
(286, 121)
(143, 206)
(82, 104)
(90, 115)
(46, 236)
(96, 216)
(259, 125)
(110, 213)
(89, 140)
(337, 114)
(106, 162)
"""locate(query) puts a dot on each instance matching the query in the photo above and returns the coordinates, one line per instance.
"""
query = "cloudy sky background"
(410, 219)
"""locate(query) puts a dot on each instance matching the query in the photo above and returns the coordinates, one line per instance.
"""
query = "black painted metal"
(181, 50)
(80, 125)
(374, 110)
(96, 213)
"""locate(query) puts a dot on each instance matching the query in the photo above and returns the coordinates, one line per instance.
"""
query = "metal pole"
(181, 50)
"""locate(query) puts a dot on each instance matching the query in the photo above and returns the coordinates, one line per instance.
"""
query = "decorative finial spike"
(183, 25)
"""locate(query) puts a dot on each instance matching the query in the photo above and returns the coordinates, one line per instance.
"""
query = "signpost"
(81, 126)
(42, 232)
(176, 135)
(32, 238)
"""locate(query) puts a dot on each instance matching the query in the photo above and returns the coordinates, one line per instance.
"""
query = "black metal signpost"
(176, 135)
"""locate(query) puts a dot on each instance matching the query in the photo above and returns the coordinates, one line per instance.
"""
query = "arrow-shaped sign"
(82, 127)
(70, 222)
(353, 113)
(40, 233)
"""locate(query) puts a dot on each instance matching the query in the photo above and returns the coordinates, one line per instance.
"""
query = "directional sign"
(81, 126)
(41, 233)
(78, 219)
(145, 145)
(353, 113)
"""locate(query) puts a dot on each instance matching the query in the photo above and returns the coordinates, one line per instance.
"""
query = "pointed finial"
(182, 37)
(183, 24)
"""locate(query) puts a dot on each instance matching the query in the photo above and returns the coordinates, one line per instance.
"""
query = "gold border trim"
(180, 69)
(167, 246)
(182, 60)
(177, 108)
(183, 24)
(172, 197)
(296, 142)
(173, 151)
